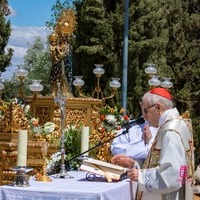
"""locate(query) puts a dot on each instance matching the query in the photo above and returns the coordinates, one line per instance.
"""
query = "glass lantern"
(150, 70)
(21, 73)
(154, 81)
(1, 86)
(167, 83)
(36, 86)
(78, 82)
(98, 70)
(115, 83)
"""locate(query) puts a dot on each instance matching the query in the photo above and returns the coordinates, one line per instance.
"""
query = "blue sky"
(31, 12)
(28, 19)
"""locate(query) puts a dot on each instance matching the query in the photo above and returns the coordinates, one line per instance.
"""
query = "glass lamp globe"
(21, 72)
(1, 86)
(167, 83)
(150, 69)
(36, 86)
(154, 81)
(78, 82)
(115, 83)
(98, 70)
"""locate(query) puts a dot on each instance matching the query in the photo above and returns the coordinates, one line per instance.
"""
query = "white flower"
(38, 130)
(25, 108)
(49, 127)
(54, 159)
(111, 118)
(70, 128)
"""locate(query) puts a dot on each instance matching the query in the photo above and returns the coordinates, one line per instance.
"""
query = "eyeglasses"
(146, 109)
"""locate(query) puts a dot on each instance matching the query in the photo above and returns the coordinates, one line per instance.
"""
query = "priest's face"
(151, 112)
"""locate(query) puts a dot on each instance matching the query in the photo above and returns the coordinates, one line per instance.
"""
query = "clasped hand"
(146, 134)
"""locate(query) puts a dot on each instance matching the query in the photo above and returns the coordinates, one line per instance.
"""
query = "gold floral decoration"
(105, 127)
(47, 132)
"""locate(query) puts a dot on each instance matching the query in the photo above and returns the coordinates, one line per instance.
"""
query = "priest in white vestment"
(168, 170)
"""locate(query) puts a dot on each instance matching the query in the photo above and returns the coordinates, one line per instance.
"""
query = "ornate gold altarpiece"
(78, 110)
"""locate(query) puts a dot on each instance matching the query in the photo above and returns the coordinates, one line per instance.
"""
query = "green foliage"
(5, 32)
(38, 62)
(73, 145)
(162, 32)
(91, 43)
(11, 89)
(182, 56)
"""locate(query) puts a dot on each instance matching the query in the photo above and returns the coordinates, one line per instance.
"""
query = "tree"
(146, 45)
(89, 41)
(182, 55)
(162, 32)
(5, 32)
(11, 89)
(4, 7)
(38, 62)
(182, 52)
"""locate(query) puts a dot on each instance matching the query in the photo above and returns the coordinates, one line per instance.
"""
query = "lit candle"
(85, 139)
(22, 148)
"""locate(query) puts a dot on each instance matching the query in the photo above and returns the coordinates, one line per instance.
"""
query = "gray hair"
(154, 98)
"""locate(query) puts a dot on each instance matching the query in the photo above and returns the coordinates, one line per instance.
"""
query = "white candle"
(85, 139)
(22, 148)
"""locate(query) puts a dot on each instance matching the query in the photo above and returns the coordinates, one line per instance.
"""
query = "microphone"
(124, 126)
(133, 123)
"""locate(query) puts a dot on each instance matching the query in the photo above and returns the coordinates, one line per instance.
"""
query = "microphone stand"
(100, 144)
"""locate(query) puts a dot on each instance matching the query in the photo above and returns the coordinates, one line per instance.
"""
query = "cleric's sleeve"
(119, 144)
(138, 150)
(166, 177)
(126, 141)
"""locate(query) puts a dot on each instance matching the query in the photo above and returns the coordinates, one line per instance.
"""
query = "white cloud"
(19, 52)
(19, 41)
(21, 36)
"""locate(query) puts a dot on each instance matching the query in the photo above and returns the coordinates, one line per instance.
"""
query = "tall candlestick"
(85, 139)
(22, 148)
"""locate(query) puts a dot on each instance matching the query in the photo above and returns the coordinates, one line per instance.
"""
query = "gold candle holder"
(43, 177)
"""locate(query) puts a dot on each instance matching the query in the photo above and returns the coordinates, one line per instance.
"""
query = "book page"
(110, 171)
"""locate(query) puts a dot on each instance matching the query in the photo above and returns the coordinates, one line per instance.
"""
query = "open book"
(110, 171)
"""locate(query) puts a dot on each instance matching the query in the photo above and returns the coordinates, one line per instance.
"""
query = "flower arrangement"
(46, 132)
(53, 164)
(112, 118)
(105, 127)
(72, 147)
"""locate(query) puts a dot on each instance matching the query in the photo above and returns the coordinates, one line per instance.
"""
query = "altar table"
(77, 188)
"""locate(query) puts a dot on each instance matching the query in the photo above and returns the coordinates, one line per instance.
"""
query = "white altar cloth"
(78, 188)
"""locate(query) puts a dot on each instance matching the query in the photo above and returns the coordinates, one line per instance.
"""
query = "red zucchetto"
(161, 92)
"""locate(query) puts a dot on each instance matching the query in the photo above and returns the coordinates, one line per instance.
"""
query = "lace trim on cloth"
(148, 177)
(38, 195)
